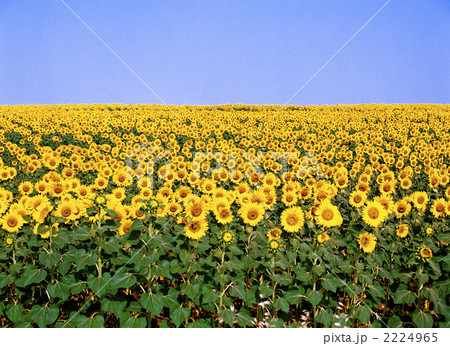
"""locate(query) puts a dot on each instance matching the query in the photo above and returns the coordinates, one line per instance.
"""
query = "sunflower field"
(224, 216)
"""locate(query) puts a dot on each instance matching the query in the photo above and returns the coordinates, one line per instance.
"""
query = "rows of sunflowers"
(224, 216)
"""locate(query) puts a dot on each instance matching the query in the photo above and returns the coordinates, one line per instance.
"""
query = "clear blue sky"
(217, 52)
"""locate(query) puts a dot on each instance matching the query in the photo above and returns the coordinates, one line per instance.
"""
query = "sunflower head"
(274, 233)
(402, 231)
(100, 200)
(226, 237)
(424, 253)
(367, 242)
(273, 246)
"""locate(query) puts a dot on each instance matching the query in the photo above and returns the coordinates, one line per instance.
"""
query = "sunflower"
(323, 237)
(374, 214)
(420, 200)
(387, 202)
(328, 215)
(196, 229)
(224, 216)
(424, 253)
(67, 210)
(358, 199)
(226, 237)
(289, 198)
(438, 208)
(118, 193)
(100, 183)
(196, 209)
(402, 231)
(12, 222)
(251, 213)
(402, 208)
(125, 226)
(274, 233)
(273, 246)
(26, 188)
(367, 242)
(387, 187)
(292, 219)
(173, 208)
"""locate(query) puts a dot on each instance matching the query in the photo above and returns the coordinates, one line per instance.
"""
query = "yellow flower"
(374, 214)
(251, 213)
(323, 237)
(328, 215)
(196, 229)
(274, 233)
(292, 219)
(438, 208)
(12, 222)
(402, 231)
(425, 253)
(367, 242)
(358, 199)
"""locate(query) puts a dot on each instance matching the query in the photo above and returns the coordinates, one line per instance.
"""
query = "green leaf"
(227, 316)
(91, 322)
(243, 318)
(171, 299)
(404, 296)
(325, 317)
(6, 279)
(209, 295)
(137, 225)
(395, 322)
(282, 304)
(83, 259)
(376, 291)
(295, 296)
(123, 280)
(110, 212)
(44, 315)
(152, 302)
(59, 289)
(191, 290)
(114, 306)
(100, 286)
(132, 322)
(179, 315)
(329, 283)
(82, 234)
(31, 276)
(14, 312)
(49, 259)
(422, 319)
(432, 294)
(363, 313)
(445, 237)
(314, 297)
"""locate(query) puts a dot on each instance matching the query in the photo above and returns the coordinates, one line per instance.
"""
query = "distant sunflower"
(328, 215)
(374, 214)
(367, 242)
(292, 219)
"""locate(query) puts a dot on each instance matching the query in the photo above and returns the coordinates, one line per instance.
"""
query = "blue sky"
(217, 52)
